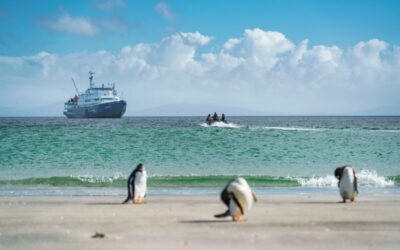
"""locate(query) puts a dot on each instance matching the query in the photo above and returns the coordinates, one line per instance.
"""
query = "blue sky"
(341, 22)
(267, 54)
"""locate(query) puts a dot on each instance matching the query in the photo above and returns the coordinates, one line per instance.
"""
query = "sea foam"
(99, 179)
(220, 125)
(368, 178)
(292, 128)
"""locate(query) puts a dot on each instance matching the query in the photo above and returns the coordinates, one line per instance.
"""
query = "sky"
(181, 57)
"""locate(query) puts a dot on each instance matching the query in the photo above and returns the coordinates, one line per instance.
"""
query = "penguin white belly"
(346, 185)
(234, 208)
(140, 185)
(244, 197)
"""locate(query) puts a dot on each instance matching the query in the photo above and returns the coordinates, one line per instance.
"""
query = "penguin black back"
(131, 182)
(225, 198)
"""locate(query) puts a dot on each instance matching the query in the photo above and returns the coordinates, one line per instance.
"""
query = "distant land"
(56, 109)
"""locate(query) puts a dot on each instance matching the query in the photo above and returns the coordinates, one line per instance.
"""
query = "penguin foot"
(353, 200)
(236, 218)
(138, 201)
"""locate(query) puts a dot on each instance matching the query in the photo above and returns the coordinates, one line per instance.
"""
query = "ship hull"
(103, 110)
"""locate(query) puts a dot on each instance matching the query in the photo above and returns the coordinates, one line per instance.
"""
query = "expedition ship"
(97, 102)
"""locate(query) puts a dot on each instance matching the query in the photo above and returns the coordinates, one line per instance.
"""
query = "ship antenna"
(76, 88)
(91, 78)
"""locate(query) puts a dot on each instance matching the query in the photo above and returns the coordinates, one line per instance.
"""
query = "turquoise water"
(185, 152)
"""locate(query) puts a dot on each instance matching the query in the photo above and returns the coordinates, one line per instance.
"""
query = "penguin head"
(139, 167)
(339, 172)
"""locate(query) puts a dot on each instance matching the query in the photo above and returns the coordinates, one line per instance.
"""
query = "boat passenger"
(209, 119)
(215, 117)
(223, 118)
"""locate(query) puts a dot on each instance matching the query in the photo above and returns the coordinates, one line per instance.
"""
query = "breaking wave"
(366, 178)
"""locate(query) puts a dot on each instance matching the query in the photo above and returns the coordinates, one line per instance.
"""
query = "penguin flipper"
(356, 184)
(223, 215)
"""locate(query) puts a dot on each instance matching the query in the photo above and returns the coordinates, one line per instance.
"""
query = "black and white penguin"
(238, 197)
(348, 186)
(137, 185)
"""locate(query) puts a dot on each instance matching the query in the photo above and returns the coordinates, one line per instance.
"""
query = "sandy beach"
(186, 222)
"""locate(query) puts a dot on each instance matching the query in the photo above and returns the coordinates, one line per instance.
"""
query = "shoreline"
(76, 191)
(287, 221)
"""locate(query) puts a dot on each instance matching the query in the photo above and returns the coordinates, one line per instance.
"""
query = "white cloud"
(84, 26)
(369, 54)
(261, 48)
(164, 10)
(261, 71)
(72, 25)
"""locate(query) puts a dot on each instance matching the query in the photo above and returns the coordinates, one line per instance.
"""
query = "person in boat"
(223, 118)
(209, 119)
(215, 117)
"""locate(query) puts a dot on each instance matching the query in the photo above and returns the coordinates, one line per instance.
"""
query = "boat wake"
(220, 125)
(291, 128)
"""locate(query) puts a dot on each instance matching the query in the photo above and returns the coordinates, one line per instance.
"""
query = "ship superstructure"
(96, 102)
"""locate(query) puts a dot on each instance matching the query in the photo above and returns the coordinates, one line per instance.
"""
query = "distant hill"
(204, 109)
(56, 109)
(191, 110)
(383, 110)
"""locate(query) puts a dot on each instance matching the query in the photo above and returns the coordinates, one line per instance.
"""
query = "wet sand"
(187, 222)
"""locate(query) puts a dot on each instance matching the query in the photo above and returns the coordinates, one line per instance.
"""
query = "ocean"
(183, 155)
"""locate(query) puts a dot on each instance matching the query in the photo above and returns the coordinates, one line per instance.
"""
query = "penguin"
(137, 185)
(348, 186)
(238, 197)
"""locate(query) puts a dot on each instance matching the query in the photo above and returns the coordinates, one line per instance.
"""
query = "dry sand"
(186, 222)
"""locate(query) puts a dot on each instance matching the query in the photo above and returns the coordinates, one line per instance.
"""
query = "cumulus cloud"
(261, 48)
(262, 71)
(73, 25)
(164, 10)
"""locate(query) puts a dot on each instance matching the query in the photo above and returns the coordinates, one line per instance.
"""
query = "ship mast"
(91, 78)
(77, 91)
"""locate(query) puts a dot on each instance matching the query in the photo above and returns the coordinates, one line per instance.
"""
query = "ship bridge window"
(107, 98)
